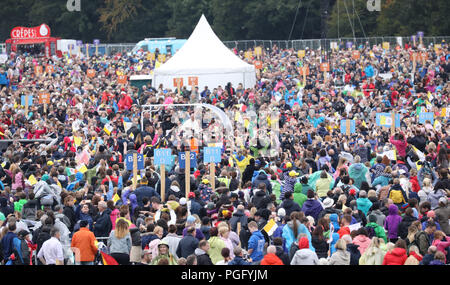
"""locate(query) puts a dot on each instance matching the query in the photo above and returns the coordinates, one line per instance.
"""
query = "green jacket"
(379, 231)
(18, 206)
(276, 190)
(306, 188)
(299, 197)
(215, 249)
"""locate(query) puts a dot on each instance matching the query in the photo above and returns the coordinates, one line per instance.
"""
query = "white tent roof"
(204, 53)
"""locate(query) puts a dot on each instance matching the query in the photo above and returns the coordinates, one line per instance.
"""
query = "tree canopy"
(133, 20)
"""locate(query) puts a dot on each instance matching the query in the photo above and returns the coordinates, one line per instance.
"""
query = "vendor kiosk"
(35, 41)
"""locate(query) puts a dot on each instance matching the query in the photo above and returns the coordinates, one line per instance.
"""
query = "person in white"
(51, 252)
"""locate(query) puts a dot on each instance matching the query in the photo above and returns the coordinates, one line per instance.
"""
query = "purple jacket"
(312, 208)
(392, 221)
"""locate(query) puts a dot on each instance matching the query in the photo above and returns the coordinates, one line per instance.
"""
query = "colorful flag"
(127, 125)
(82, 168)
(270, 227)
(108, 129)
(108, 259)
(32, 180)
(115, 198)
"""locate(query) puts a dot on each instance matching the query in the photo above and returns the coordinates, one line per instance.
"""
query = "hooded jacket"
(271, 259)
(434, 196)
(299, 197)
(172, 241)
(202, 257)
(304, 256)
(359, 173)
(363, 243)
(340, 257)
(312, 208)
(187, 246)
(392, 221)
(288, 234)
(239, 261)
(443, 215)
(355, 255)
(261, 199)
(290, 206)
(372, 256)
(363, 204)
(144, 191)
(262, 178)
(396, 257)
(215, 251)
(379, 231)
(238, 217)
(172, 259)
(256, 242)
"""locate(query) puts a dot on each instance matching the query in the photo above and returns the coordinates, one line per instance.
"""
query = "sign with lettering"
(42, 31)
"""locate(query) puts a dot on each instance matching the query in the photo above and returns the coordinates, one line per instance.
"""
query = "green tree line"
(132, 20)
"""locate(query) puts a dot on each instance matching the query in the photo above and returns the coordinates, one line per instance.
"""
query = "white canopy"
(206, 57)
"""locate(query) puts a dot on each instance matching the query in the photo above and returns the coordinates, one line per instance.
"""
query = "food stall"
(35, 41)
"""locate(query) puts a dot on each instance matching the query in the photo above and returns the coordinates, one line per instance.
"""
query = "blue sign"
(162, 156)
(182, 160)
(423, 117)
(349, 45)
(212, 154)
(344, 127)
(129, 161)
(79, 43)
(96, 42)
(385, 120)
(420, 34)
(23, 100)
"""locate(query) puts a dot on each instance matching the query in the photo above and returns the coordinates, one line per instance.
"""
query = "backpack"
(416, 240)
(397, 196)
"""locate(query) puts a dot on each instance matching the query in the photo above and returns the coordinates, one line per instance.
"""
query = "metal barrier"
(110, 49)
(5, 143)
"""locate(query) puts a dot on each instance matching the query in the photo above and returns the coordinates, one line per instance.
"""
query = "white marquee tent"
(206, 57)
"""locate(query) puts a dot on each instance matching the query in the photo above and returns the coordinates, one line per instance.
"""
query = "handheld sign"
(38, 70)
(162, 157)
(348, 127)
(356, 54)
(193, 81)
(44, 98)
(192, 161)
(130, 159)
(301, 53)
(162, 58)
(423, 117)
(122, 79)
(26, 101)
(49, 69)
(388, 120)
(258, 64)
(258, 51)
(135, 162)
(325, 67)
(420, 35)
(349, 45)
(96, 43)
(178, 82)
(386, 45)
(212, 155)
(90, 73)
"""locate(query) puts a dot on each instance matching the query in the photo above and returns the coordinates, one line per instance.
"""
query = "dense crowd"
(291, 188)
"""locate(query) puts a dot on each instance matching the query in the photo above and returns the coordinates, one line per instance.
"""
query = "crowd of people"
(291, 188)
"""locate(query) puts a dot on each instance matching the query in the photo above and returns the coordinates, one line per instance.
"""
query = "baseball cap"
(293, 173)
(183, 201)
(328, 203)
(191, 195)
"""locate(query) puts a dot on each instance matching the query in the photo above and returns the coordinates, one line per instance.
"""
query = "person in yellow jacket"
(216, 245)
(323, 184)
(242, 159)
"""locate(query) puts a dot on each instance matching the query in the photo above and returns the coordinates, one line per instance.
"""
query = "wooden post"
(163, 183)
(87, 50)
(135, 170)
(414, 63)
(187, 180)
(212, 172)
(26, 106)
(393, 123)
(238, 229)
(347, 127)
(304, 75)
(178, 87)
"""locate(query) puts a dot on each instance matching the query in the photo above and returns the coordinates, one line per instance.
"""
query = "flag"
(32, 180)
(364, 124)
(108, 259)
(270, 227)
(82, 168)
(437, 125)
(127, 125)
(108, 129)
(115, 107)
(115, 198)
(77, 141)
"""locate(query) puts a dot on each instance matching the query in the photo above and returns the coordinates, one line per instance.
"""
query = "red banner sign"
(42, 31)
